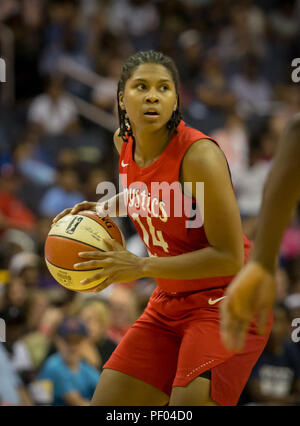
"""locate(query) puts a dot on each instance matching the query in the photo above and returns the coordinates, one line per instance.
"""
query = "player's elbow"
(234, 262)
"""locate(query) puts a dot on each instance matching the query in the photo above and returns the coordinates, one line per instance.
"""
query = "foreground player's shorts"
(178, 338)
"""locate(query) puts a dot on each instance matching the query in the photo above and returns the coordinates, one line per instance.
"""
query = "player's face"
(150, 96)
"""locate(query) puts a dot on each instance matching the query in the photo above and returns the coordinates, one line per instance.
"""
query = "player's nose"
(152, 97)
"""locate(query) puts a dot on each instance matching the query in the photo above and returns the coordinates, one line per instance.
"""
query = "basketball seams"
(73, 270)
(62, 251)
(78, 241)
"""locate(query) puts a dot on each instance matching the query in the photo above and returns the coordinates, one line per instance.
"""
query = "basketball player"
(173, 354)
(252, 292)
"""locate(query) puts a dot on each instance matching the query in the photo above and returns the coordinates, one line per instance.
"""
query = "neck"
(149, 145)
(73, 365)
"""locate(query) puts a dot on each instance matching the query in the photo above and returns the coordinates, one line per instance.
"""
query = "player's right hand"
(84, 205)
(251, 294)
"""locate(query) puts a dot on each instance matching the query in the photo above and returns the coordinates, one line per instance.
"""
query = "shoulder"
(188, 132)
(118, 141)
(204, 156)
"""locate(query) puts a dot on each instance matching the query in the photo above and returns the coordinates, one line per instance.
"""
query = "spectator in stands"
(12, 391)
(244, 32)
(191, 52)
(30, 351)
(213, 88)
(14, 310)
(96, 317)
(13, 212)
(66, 193)
(136, 18)
(53, 113)
(30, 164)
(26, 265)
(284, 20)
(249, 184)
(67, 158)
(275, 379)
(95, 177)
(66, 44)
(123, 311)
(104, 94)
(252, 91)
(233, 140)
(74, 381)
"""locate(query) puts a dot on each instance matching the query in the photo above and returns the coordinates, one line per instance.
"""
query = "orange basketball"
(73, 234)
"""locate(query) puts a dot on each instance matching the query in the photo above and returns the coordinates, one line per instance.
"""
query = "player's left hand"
(118, 265)
(251, 294)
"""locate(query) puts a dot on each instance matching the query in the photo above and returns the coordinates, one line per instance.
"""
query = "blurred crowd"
(235, 63)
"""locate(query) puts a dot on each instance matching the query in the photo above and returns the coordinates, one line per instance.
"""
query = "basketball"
(71, 235)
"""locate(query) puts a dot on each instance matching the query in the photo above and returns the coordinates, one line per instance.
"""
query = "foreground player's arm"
(252, 292)
(205, 162)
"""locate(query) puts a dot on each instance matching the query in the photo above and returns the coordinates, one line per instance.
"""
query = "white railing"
(94, 113)
(7, 52)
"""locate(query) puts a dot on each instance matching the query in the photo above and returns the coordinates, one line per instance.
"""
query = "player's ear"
(121, 101)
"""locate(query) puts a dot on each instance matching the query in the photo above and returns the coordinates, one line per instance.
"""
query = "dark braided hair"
(139, 58)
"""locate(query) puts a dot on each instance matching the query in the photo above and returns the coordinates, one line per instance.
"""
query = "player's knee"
(191, 400)
(196, 393)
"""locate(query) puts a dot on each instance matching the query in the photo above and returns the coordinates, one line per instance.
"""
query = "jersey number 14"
(157, 237)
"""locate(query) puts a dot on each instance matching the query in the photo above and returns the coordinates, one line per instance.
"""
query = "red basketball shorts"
(177, 338)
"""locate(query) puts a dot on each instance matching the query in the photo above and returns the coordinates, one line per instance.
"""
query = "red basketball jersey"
(167, 220)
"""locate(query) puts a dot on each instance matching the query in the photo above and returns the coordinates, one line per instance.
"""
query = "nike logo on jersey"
(124, 164)
(214, 301)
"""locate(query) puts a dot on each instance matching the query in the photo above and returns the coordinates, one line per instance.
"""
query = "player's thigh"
(197, 392)
(148, 352)
(116, 388)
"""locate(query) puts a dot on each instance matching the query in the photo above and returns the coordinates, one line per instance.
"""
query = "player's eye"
(164, 87)
(141, 86)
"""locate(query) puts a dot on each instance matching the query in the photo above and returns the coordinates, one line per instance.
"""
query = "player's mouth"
(151, 115)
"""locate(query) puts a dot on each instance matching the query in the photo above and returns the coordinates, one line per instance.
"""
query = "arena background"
(57, 117)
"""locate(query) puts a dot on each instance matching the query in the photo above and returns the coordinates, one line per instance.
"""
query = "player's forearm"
(282, 191)
(205, 263)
